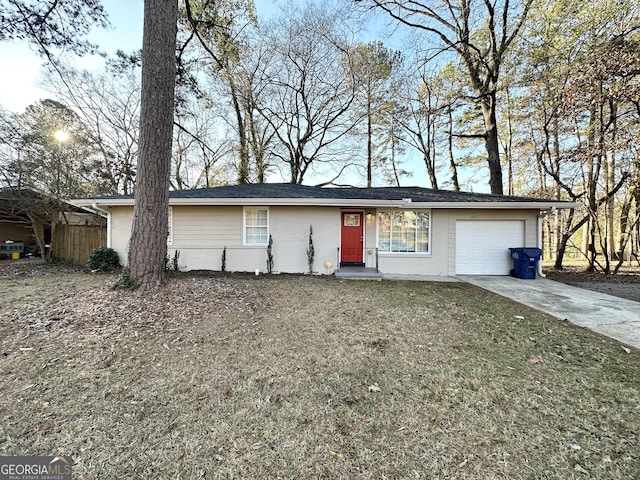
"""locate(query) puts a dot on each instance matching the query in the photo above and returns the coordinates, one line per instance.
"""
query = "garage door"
(482, 247)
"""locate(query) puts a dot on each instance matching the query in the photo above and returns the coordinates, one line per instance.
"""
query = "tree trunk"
(369, 145)
(258, 144)
(556, 170)
(562, 244)
(36, 226)
(431, 150)
(243, 167)
(508, 146)
(453, 168)
(626, 226)
(393, 156)
(562, 247)
(427, 154)
(492, 143)
(593, 173)
(148, 244)
(610, 210)
(567, 234)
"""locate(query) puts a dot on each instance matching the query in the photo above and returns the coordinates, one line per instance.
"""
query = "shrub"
(103, 259)
(172, 264)
(310, 251)
(270, 255)
(224, 259)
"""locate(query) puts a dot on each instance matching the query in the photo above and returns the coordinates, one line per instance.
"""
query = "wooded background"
(535, 98)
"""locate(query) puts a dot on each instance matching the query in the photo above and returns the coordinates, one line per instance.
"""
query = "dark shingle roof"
(294, 191)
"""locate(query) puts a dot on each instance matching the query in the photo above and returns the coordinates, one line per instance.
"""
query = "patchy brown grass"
(269, 377)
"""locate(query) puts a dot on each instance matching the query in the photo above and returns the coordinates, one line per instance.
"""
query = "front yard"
(301, 377)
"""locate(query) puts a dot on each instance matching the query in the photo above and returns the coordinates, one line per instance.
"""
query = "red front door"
(352, 238)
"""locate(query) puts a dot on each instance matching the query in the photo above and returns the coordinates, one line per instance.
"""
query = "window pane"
(256, 235)
(403, 231)
(384, 234)
(422, 234)
(256, 226)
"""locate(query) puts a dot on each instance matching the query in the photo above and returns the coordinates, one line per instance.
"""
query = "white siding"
(200, 233)
(290, 233)
(120, 232)
(370, 238)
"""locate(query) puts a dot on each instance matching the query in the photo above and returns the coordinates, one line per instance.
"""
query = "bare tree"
(373, 69)
(308, 88)
(49, 148)
(574, 93)
(480, 34)
(222, 30)
(148, 244)
(108, 103)
(201, 157)
(601, 98)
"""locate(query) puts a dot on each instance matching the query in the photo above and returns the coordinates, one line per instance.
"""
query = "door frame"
(364, 236)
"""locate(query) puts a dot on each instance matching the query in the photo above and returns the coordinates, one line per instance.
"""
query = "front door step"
(358, 273)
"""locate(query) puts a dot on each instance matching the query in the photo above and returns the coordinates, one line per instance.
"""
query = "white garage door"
(482, 247)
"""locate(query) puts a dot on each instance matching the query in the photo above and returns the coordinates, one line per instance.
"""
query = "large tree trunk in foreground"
(148, 245)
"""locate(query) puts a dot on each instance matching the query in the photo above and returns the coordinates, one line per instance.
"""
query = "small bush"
(103, 259)
(224, 259)
(270, 255)
(172, 264)
(310, 251)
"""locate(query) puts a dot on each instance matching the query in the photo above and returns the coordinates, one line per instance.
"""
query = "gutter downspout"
(107, 215)
(540, 217)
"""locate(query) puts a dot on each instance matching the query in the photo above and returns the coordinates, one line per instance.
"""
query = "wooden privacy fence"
(74, 243)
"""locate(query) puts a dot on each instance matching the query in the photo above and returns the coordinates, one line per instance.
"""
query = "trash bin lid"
(531, 252)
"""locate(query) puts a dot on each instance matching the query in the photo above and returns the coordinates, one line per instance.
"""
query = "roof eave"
(285, 202)
(535, 205)
(345, 203)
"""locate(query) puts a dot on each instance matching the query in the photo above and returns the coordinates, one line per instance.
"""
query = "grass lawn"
(308, 377)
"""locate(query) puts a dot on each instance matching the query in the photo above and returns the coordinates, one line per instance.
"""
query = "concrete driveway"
(614, 317)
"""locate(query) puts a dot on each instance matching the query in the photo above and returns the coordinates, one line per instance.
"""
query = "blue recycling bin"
(525, 262)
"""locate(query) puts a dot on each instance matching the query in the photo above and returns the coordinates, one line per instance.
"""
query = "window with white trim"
(403, 231)
(256, 226)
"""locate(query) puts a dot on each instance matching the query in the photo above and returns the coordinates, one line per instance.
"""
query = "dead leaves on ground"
(105, 312)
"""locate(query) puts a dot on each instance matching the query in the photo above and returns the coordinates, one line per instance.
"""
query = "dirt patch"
(306, 377)
(624, 285)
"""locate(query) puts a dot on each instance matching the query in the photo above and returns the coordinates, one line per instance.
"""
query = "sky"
(21, 72)
(22, 67)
